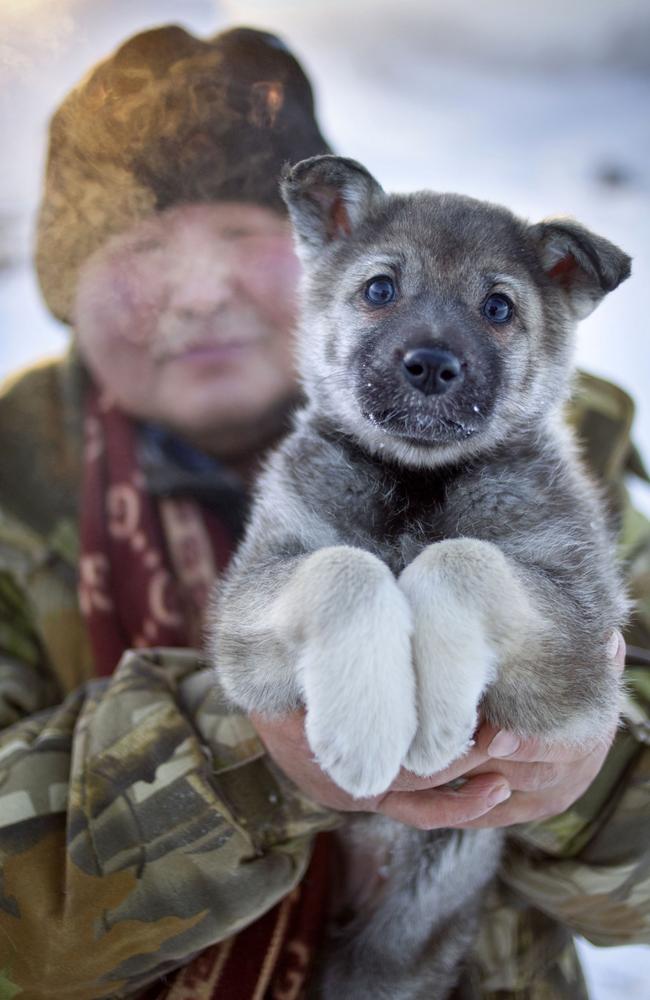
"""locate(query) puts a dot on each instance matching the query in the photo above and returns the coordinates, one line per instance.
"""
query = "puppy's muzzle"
(432, 370)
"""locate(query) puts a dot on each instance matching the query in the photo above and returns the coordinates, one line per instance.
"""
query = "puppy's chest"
(395, 514)
(395, 518)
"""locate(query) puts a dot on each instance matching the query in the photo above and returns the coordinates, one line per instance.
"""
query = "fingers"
(523, 776)
(616, 650)
(433, 808)
(505, 746)
(542, 789)
(520, 807)
(523, 807)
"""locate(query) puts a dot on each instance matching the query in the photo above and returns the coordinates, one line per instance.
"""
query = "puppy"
(425, 544)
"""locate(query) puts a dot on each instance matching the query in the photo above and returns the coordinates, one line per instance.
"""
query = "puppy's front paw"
(454, 660)
(434, 747)
(356, 672)
(451, 679)
(438, 743)
(360, 752)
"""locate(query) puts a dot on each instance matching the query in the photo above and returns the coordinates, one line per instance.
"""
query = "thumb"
(616, 650)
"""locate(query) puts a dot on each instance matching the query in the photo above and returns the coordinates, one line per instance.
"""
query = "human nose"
(201, 287)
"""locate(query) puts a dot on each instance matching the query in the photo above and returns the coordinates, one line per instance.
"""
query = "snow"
(540, 106)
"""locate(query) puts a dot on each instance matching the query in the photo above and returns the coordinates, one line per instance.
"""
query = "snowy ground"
(540, 105)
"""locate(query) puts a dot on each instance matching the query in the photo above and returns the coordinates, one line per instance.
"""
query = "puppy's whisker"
(337, 378)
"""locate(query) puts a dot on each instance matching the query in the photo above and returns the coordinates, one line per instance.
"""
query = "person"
(153, 843)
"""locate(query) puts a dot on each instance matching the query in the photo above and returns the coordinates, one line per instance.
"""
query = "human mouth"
(204, 351)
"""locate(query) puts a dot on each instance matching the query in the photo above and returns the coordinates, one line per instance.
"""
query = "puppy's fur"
(415, 557)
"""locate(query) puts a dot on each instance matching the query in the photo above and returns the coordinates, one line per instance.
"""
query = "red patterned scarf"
(147, 564)
(146, 567)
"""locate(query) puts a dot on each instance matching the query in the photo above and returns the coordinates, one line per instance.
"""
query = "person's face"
(186, 318)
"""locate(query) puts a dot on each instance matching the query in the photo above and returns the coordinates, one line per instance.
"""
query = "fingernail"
(498, 795)
(613, 643)
(503, 744)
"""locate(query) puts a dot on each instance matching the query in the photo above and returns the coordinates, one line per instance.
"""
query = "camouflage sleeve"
(25, 686)
(139, 823)
(590, 866)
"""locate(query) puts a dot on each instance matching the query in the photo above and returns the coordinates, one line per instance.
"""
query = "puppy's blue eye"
(497, 308)
(380, 290)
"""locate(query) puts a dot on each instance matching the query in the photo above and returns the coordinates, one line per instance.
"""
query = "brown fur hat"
(168, 118)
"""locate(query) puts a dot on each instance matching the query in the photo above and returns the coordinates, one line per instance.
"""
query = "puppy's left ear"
(585, 266)
(327, 197)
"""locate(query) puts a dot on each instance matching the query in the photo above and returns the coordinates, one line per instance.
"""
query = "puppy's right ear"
(327, 197)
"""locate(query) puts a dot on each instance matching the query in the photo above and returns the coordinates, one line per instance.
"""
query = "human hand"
(418, 802)
(533, 781)
(544, 778)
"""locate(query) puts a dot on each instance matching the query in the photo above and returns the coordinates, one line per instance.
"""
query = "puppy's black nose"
(432, 370)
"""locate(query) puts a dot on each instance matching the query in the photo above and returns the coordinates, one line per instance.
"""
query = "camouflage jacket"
(140, 820)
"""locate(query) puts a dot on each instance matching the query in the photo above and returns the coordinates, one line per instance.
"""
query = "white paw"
(450, 685)
(359, 688)
(437, 743)
(453, 658)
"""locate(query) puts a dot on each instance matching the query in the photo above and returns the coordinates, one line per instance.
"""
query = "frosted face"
(186, 319)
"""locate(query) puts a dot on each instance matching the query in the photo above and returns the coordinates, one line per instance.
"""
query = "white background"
(543, 106)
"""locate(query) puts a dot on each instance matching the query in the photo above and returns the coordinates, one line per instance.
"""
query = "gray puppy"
(425, 544)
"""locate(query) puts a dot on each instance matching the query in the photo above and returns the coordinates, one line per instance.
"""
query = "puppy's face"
(435, 325)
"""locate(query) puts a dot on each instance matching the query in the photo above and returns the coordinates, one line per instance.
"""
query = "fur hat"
(168, 118)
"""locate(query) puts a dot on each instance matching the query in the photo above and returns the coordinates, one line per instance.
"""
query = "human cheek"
(269, 274)
(137, 295)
